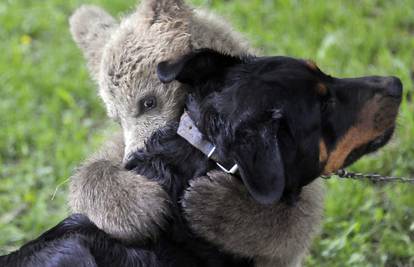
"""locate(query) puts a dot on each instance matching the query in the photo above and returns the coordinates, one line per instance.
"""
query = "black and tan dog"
(281, 120)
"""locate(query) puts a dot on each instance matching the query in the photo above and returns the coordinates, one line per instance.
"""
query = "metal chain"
(344, 174)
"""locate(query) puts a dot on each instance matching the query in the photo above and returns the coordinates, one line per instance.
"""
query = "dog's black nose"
(394, 87)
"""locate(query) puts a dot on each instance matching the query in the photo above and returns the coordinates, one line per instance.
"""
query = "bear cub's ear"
(91, 28)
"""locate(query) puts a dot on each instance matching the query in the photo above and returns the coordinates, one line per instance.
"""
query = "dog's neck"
(188, 130)
(171, 160)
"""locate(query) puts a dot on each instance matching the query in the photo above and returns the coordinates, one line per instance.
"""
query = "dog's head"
(282, 120)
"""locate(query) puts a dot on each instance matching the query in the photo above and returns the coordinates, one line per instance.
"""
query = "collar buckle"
(232, 170)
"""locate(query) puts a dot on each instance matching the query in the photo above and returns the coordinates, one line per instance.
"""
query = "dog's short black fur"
(282, 120)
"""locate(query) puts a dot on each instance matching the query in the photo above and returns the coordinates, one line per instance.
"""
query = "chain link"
(344, 174)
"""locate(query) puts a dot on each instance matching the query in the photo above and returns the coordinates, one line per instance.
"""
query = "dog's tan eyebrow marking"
(311, 64)
(321, 89)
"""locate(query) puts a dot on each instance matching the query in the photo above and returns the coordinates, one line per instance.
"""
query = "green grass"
(51, 118)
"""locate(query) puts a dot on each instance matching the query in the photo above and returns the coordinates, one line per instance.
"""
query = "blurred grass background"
(51, 118)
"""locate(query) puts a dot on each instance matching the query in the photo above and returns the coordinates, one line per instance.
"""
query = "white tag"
(188, 130)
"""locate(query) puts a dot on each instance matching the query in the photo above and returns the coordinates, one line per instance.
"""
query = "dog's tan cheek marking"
(358, 135)
(323, 152)
(353, 139)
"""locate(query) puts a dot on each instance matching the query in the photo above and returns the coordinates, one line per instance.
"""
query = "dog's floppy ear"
(197, 67)
(260, 163)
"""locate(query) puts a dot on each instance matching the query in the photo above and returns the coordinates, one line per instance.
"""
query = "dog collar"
(189, 131)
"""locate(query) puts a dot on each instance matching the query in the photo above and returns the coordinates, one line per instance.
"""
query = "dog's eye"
(328, 104)
(147, 103)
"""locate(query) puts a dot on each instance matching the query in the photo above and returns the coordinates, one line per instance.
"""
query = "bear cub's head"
(122, 58)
